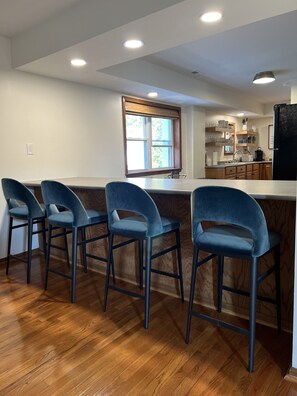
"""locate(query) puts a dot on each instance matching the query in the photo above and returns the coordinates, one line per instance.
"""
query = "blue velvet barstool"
(237, 229)
(23, 205)
(144, 225)
(75, 218)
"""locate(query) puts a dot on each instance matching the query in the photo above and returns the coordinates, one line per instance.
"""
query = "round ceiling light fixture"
(78, 62)
(209, 17)
(133, 44)
(152, 94)
(264, 77)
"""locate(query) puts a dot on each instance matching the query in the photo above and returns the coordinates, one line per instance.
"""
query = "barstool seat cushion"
(228, 240)
(65, 218)
(136, 226)
(21, 211)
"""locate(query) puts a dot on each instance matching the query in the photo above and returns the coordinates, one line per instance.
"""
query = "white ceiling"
(253, 36)
(19, 15)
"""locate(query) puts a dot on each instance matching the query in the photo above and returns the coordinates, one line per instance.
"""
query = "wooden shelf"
(246, 144)
(217, 144)
(218, 130)
(252, 133)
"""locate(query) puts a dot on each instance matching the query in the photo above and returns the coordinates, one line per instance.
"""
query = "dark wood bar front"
(172, 197)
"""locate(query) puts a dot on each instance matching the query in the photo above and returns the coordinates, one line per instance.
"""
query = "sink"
(229, 162)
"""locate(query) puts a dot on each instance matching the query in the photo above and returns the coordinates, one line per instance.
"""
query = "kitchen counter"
(225, 164)
(259, 189)
(172, 197)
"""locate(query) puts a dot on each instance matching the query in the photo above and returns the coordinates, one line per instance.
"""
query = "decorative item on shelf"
(244, 124)
(223, 124)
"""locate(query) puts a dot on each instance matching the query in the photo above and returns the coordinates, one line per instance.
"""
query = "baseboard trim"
(22, 254)
(291, 375)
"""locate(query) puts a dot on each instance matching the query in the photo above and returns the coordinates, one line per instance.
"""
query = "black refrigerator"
(285, 142)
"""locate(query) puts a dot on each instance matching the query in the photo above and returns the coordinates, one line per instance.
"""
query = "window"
(152, 137)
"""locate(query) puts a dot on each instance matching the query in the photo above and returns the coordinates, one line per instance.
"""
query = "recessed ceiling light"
(78, 62)
(240, 114)
(132, 44)
(152, 94)
(211, 16)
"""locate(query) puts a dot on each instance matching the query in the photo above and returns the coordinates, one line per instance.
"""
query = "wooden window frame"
(153, 109)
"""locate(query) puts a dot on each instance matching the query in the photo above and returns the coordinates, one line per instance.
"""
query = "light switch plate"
(29, 147)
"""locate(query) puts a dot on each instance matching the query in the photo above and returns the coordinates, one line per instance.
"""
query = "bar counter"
(172, 197)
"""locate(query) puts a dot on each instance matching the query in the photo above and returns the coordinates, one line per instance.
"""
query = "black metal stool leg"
(29, 249)
(140, 261)
(220, 281)
(84, 248)
(253, 305)
(43, 231)
(147, 282)
(180, 270)
(192, 291)
(66, 247)
(277, 286)
(9, 243)
(49, 238)
(109, 263)
(74, 262)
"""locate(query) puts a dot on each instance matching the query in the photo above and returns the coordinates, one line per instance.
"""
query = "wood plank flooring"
(50, 347)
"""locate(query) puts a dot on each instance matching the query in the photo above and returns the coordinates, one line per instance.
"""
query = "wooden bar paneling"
(280, 217)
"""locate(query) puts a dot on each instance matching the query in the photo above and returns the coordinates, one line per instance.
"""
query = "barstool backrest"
(230, 206)
(57, 194)
(129, 197)
(16, 192)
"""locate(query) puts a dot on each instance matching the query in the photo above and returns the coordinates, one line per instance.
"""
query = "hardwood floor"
(50, 347)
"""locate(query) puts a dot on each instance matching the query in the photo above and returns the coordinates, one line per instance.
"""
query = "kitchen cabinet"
(253, 172)
(226, 172)
(241, 172)
(266, 171)
(230, 172)
(223, 172)
(249, 171)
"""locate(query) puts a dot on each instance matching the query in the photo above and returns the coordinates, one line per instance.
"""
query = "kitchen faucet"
(239, 151)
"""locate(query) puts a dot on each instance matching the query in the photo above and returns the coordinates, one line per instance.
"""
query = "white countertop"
(225, 164)
(259, 189)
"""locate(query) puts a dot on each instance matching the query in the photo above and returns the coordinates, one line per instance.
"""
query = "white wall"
(76, 130)
(294, 93)
(193, 132)
(261, 125)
